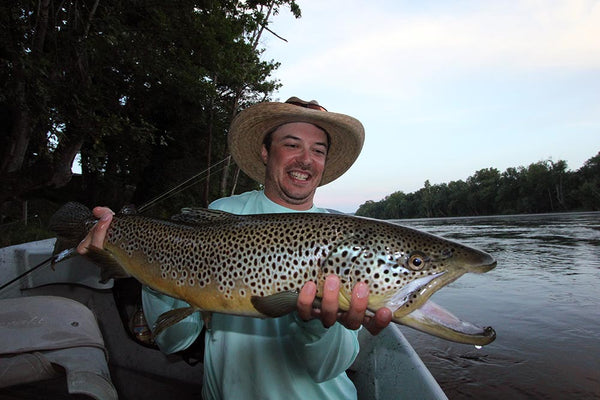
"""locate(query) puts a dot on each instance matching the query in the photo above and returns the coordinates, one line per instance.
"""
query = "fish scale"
(255, 265)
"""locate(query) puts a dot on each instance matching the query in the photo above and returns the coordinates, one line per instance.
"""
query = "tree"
(371, 209)
(588, 192)
(144, 91)
(458, 194)
(544, 186)
(483, 187)
(509, 198)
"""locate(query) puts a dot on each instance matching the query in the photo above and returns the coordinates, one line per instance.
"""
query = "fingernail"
(310, 289)
(105, 217)
(362, 291)
(331, 283)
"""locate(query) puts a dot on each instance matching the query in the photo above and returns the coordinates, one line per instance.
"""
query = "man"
(291, 148)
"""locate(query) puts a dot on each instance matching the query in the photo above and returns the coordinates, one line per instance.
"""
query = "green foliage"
(17, 232)
(143, 91)
(33, 224)
(545, 186)
(588, 182)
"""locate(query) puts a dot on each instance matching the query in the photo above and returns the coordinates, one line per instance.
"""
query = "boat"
(71, 335)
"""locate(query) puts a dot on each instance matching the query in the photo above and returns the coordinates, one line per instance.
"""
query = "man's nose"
(304, 157)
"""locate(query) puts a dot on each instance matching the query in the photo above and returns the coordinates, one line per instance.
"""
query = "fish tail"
(71, 224)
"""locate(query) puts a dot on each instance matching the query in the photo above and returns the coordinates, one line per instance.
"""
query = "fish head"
(426, 264)
(403, 267)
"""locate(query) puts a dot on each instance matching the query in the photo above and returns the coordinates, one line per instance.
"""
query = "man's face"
(295, 164)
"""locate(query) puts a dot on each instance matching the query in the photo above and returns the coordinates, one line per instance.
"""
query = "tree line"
(542, 187)
(141, 91)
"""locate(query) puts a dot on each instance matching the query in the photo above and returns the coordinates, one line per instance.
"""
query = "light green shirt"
(253, 358)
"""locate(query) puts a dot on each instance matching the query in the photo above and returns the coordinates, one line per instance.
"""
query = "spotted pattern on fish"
(250, 264)
(269, 254)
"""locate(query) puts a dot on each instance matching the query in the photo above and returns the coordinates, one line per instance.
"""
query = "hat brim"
(249, 127)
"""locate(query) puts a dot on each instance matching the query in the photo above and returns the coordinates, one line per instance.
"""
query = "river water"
(543, 300)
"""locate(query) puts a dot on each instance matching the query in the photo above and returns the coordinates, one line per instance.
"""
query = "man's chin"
(299, 197)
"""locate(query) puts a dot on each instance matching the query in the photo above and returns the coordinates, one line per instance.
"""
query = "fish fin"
(110, 267)
(170, 318)
(70, 223)
(276, 305)
(197, 215)
(129, 209)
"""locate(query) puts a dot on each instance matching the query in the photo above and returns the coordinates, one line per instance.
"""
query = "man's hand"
(97, 234)
(328, 314)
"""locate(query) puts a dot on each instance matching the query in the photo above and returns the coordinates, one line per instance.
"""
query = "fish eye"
(416, 262)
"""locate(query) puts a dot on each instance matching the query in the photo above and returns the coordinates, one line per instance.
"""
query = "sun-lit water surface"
(543, 300)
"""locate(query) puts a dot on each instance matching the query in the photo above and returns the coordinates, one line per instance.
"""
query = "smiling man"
(294, 155)
(291, 148)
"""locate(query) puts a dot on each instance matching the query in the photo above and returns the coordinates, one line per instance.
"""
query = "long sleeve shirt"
(253, 358)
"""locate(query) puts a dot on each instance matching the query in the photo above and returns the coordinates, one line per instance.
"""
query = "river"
(543, 300)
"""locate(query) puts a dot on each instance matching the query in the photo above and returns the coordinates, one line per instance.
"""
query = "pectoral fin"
(110, 267)
(170, 318)
(276, 305)
(279, 304)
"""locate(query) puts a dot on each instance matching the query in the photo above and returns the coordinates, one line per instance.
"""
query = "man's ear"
(264, 153)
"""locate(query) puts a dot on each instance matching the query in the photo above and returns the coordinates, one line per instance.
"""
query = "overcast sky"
(445, 88)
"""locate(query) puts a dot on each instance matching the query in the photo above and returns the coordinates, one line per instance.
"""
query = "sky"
(445, 89)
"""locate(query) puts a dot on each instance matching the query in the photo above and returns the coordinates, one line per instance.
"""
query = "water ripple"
(542, 299)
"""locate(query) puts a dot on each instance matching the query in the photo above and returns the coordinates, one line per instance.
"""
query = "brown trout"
(255, 265)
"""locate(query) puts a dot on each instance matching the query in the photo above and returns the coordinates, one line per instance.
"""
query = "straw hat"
(249, 127)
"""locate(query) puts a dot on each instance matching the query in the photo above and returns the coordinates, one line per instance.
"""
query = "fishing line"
(25, 273)
(185, 184)
(170, 194)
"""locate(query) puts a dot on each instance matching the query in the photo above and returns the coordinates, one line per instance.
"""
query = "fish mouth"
(485, 263)
(437, 321)
(406, 295)
(416, 293)
(426, 316)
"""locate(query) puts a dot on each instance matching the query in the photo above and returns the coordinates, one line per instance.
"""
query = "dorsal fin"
(198, 215)
(128, 209)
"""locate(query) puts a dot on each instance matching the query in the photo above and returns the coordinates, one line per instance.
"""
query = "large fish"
(255, 265)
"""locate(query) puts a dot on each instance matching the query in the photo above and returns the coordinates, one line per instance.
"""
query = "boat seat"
(40, 333)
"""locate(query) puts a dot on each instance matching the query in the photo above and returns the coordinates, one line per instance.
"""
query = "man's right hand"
(328, 313)
(97, 234)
